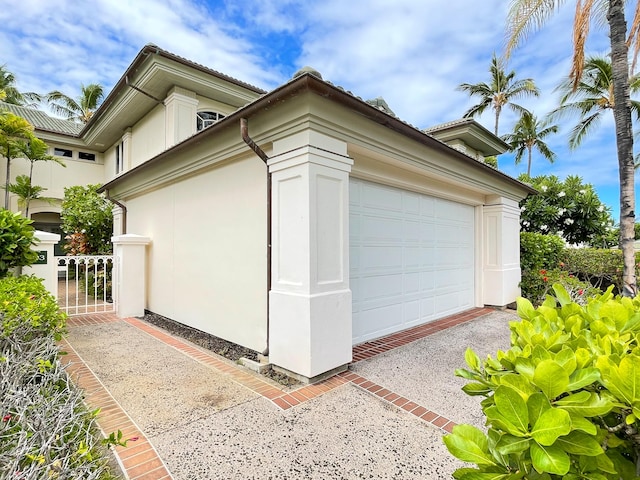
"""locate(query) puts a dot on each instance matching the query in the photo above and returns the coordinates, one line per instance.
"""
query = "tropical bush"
(566, 208)
(540, 256)
(564, 400)
(25, 301)
(46, 431)
(87, 220)
(599, 267)
(16, 239)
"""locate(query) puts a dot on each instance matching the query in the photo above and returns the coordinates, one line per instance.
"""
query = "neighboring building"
(303, 220)
(84, 165)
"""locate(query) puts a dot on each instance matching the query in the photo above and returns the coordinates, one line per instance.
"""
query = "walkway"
(141, 460)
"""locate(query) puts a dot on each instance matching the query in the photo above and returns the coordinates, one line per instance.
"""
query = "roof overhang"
(146, 83)
(311, 84)
(472, 134)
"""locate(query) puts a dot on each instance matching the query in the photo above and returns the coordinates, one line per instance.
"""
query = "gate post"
(130, 274)
(46, 267)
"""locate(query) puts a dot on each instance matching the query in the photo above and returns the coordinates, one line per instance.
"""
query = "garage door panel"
(382, 198)
(382, 286)
(411, 231)
(380, 319)
(412, 258)
(411, 282)
(379, 258)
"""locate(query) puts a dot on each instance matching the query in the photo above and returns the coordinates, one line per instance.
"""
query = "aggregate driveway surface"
(198, 416)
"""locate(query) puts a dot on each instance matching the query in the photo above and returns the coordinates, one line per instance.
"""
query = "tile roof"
(41, 121)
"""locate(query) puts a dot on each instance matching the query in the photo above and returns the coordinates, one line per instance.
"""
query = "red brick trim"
(140, 459)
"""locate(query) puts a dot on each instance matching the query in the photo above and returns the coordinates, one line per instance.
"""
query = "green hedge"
(599, 267)
(583, 272)
(542, 259)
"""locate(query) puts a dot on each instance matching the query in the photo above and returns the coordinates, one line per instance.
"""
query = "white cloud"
(414, 54)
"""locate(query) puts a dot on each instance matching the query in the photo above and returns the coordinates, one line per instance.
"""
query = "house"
(84, 165)
(300, 221)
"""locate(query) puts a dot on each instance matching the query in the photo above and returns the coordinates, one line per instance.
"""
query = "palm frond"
(578, 132)
(581, 25)
(633, 41)
(546, 152)
(526, 16)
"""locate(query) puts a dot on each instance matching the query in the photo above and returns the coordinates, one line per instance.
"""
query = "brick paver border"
(140, 459)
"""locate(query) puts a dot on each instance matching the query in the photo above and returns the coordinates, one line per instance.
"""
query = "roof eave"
(309, 82)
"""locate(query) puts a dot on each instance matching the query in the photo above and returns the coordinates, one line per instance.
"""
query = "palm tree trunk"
(624, 141)
(529, 164)
(495, 130)
(6, 183)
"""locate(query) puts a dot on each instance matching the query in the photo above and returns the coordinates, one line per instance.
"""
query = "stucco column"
(46, 266)
(310, 299)
(130, 274)
(501, 256)
(180, 115)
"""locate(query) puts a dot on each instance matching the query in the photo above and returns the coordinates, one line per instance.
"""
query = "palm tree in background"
(501, 91)
(529, 133)
(15, 131)
(34, 150)
(8, 92)
(591, 98)
(526, 16)
(79, 109)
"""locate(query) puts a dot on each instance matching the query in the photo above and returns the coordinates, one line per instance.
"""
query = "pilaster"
(180, 115)
(310, 299)
(501, 256)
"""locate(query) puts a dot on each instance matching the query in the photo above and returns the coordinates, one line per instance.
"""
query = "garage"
(411, 258)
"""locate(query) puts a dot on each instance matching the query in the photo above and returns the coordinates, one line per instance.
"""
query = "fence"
(85, 284)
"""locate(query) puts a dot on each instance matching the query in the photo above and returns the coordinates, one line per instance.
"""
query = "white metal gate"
(85, 284)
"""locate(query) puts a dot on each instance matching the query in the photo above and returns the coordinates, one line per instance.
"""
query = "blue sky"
(414, 54)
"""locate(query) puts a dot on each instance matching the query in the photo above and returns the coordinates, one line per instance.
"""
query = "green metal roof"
(41, 121)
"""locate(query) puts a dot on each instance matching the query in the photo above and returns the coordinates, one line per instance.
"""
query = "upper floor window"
(119, 157)
(62, 152)
(206, 119)
(87, 156)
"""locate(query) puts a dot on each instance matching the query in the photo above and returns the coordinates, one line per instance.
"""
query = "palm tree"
(80, 109)
(9, 92)
(15, 131)
(34, 150)
(526, 16)
(500, 92)
(529, 133)
(591, 98)
(27, 192)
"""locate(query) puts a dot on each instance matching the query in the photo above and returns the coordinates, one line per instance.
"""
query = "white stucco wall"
(54, 177)
(207, 257)
(148, 137)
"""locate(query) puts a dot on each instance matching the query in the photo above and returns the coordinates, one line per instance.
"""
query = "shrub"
(538, 253)
(564, 400)
(87, 219)
(540, 283)
(46, 430)
(567, 208)
(599, 267)
(24, 300)
(16, 239)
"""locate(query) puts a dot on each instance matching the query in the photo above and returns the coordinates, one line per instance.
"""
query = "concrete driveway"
(191, 414)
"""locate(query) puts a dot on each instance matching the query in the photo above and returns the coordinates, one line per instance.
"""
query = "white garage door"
(411, 258)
